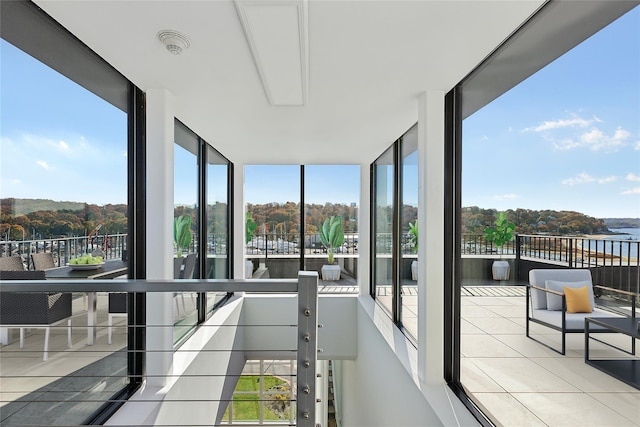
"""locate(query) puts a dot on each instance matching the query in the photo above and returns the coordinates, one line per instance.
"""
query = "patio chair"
(117, 308)
(547, 302)
(11, 263)
(34, 309)
(183, 269)
(42, 261)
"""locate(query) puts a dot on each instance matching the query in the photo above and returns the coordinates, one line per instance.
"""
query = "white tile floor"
(522, 383)
(518, 381)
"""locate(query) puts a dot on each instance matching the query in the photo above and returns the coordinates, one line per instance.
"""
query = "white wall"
(381, 386)
(377, 390)
(204, 376)
(337, 337)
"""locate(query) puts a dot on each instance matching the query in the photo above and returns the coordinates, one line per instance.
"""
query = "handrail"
(306, 287)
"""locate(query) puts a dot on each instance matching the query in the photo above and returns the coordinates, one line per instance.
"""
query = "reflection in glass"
(383, 175)
(409, 241)
(63, 167)
(217, 221)
(185, 199)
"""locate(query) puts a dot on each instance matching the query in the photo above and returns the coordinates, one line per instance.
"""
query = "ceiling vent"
(174, 41)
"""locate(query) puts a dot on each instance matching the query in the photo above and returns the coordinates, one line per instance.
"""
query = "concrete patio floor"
(520, 382)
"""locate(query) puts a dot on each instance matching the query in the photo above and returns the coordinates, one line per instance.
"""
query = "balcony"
(517, 381)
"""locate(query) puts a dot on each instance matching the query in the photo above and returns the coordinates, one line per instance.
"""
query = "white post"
(364, 225)
(159, 240)
(239, 207)
(430, 226)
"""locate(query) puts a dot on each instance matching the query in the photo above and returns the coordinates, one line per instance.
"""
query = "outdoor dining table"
(110, 270)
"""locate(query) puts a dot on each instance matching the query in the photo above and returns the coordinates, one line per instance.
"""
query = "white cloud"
(582, 178)
(567, 134)
(573, 122)
(606, 180)
(632, 191)
(43, 165)
(632, 177)
(63, 146)
(505, 197)
(637, 145)
(594, 140)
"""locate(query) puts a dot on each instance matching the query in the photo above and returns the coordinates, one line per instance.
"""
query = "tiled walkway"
(522, 383)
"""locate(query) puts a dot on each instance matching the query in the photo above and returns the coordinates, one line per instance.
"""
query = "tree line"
(50, 219)
(474, 220)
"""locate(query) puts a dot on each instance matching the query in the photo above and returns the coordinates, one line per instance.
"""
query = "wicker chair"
(42, 261)
(34, 309)
(11, 263)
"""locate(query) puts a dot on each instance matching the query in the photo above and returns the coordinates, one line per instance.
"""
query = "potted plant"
(182, 233)
(250, 229)
(181, 239)
(413, 239)
(332, 237)
(501, 233)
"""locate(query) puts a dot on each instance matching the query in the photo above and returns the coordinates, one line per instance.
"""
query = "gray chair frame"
(537, 278)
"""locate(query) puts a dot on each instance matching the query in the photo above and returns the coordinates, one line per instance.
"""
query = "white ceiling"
(367, 63)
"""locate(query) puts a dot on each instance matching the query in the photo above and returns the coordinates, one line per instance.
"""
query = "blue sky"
(568, 138)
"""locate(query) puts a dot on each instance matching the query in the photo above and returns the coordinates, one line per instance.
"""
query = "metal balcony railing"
(76, 383)
(614, 262)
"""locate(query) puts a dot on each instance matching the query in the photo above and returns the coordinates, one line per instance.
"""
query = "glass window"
(186, 220)
(323, 199)
(554, 154)
(217, 266)
(383, 224)
(63, 190)
(264, 394)
(195, 198)
(272, 193)
(409, 228)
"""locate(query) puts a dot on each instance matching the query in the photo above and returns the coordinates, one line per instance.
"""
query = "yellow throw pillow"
(577, 300)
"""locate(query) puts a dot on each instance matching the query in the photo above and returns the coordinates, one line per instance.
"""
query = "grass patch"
(246, 406)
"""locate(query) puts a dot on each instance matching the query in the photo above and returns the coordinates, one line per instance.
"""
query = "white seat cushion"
(574, 320)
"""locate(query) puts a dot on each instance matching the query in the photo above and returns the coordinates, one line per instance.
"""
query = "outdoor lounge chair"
(547, 303)
(11, 263)
(34, 309)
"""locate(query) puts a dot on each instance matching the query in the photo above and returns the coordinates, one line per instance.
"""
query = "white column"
(159, 240)
(239, 207)
(364, 235)
(430, 226)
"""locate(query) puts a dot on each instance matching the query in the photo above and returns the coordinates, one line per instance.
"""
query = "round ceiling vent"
(174, 41)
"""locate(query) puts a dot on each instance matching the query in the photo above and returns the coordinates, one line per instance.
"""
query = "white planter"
(330, 272)
(500, 270)
(414, 270)
(248, 269)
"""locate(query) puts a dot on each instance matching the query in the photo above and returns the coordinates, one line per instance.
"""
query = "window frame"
(396, 229)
